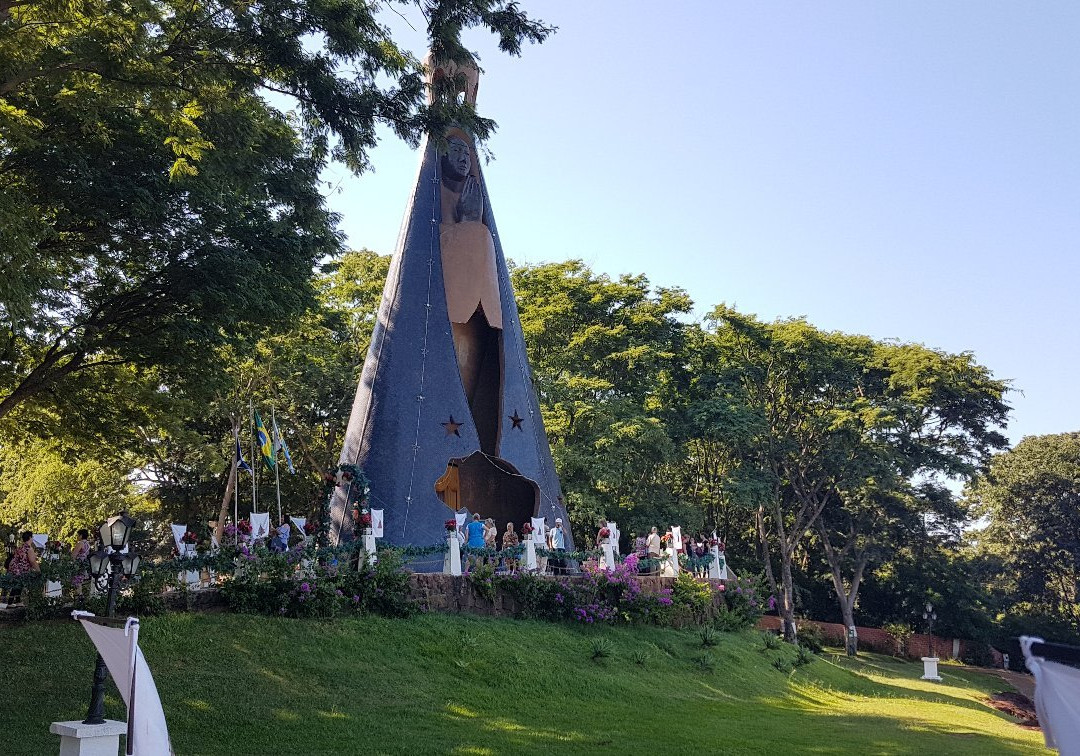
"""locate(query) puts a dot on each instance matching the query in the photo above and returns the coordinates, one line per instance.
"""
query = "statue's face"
(458, 160)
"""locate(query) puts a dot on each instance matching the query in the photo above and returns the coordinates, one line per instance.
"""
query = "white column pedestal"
(609, 556)
(369, 547)
(78, 739)
(452, 560)
(929, 665)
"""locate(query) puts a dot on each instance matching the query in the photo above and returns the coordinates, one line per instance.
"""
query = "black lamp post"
(930, 615)
(115, 533)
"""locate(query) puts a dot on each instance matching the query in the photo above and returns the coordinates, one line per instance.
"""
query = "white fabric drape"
(178, 532)
(260, 525)
(300, 523)
(1057, 699)
(150, 735)
(539, 528)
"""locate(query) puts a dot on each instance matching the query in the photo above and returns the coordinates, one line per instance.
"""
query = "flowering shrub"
(743, 603)
(293, 587)
(597, 597)
(696, 595)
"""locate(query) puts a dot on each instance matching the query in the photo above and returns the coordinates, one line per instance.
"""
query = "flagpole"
(254, 467)
(274, 449)
(236, 487)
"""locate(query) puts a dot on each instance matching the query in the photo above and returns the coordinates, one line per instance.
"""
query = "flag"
(263, 439)
(280, 445)
(241, 463)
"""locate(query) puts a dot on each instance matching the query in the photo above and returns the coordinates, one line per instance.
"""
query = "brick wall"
(876, 639)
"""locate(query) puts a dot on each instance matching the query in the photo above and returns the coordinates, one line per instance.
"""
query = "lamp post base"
(929, 666)
(78, 739)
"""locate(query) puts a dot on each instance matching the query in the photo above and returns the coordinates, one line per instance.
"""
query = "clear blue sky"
(905, 170)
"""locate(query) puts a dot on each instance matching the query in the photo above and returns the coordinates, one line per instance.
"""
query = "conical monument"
(445, 417)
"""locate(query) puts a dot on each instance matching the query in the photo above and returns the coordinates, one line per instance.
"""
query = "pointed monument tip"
(451, 78)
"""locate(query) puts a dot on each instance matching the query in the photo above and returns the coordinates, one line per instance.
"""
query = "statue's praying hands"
(470, 206)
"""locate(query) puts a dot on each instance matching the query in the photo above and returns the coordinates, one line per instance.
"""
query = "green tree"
(1031, 498)
(152, 203)
(44, 490)
(601, 352)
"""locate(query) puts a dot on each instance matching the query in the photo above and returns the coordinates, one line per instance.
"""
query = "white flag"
(539, 528)
(377, 523)
(260, 524)
(118, 646)
(178, 532)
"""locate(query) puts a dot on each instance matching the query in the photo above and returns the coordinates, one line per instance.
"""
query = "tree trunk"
(787, 597)
(223, 513)
(851, 644)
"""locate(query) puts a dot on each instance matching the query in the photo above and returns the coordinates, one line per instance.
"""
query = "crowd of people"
(484, 534)
(23, 559)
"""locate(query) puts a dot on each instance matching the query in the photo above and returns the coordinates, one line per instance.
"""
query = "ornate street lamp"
(109, 561)
(930, 615)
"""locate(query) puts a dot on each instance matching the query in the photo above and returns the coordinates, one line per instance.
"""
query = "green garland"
(229, 557)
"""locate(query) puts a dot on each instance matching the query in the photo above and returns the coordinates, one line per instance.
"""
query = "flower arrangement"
(244, 527)
(365, 520)
(189, 537)
(665, 538)
(309, 528)
(605, 532)
(450, 525)
(527, 529)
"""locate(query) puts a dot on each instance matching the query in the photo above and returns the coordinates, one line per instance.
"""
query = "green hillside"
(234, 684)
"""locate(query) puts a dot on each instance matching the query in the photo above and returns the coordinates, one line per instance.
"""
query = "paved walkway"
(1023, 683)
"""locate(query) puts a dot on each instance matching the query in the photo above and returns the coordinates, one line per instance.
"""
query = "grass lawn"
(435, 684)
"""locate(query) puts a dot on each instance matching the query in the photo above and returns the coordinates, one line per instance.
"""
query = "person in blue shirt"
(474, 533)
(280, 541)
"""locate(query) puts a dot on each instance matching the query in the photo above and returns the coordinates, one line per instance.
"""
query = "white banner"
(377, 523)
(539, 528)
(260, 525)
(178, 532)
(40, 539)
(530, 554)
(119, 648)
(676, 537)
(300, 522)
(459, 518)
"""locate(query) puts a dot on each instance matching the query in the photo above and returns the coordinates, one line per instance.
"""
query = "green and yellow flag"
(266, 447)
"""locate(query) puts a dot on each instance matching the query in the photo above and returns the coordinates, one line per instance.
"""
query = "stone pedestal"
(369, 547)
(452, 560)
(78, 739)
(930, 672)
(609, 556)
